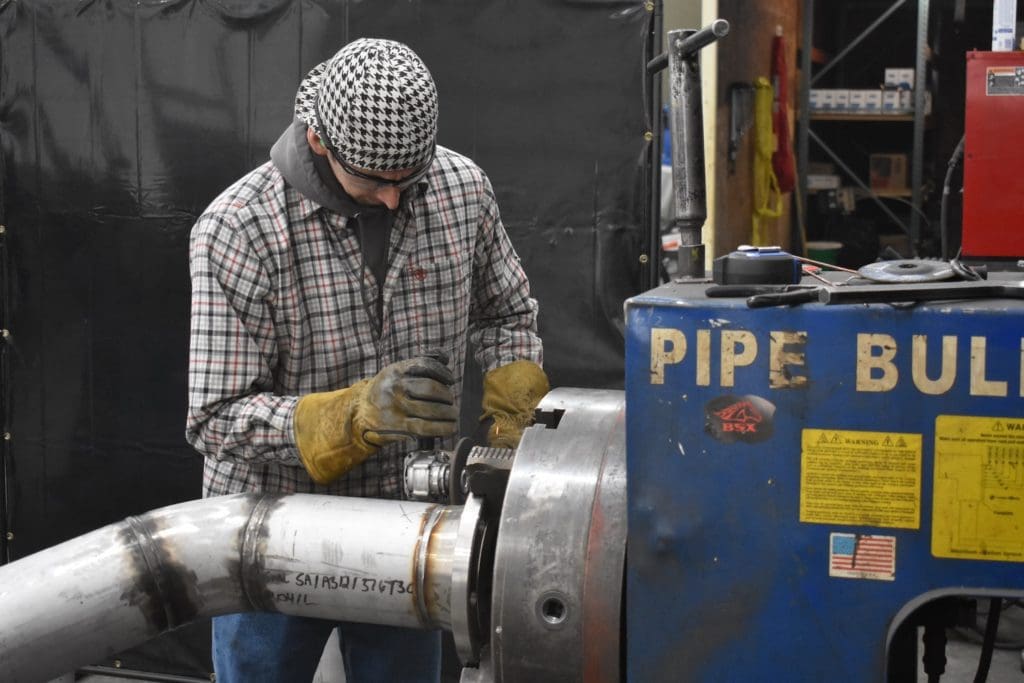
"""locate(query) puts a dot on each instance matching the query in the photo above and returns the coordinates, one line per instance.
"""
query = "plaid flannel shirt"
(283, 306)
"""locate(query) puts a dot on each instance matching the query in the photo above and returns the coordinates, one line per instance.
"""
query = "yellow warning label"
(978, 503)
(860, 478)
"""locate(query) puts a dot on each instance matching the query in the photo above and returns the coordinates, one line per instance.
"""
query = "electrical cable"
(879, 198)
(991, 628)
(922, 214)
(964, 271)
(934, 657)
(954, 160)
(822, 264)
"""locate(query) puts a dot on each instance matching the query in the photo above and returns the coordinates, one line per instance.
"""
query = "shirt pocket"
(430, 308)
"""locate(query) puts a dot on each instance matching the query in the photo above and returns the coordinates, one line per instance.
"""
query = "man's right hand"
(337, 430)
(408, 399)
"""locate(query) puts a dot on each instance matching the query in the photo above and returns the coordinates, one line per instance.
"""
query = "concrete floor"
(963, 649)
(962, 657)
(962, 663)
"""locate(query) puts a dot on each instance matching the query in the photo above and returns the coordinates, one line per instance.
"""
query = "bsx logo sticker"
(739, 418)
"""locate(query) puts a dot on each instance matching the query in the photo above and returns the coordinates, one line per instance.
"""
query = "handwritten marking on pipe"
(361, 584)
(293, 598)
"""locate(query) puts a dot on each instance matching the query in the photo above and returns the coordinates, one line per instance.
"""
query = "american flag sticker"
(859, 556)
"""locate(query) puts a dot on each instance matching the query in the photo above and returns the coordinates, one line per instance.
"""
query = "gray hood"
(297, 163)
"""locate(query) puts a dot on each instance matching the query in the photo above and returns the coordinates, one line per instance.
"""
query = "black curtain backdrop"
(120, 121)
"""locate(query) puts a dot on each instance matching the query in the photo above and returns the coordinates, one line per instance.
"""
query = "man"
(334, 289)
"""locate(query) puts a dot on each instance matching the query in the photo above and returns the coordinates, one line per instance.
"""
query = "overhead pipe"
(346, 559)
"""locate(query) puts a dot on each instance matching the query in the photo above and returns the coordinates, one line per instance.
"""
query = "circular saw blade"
(907, 271)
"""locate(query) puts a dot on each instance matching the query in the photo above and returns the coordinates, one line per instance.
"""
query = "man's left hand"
(511, 393)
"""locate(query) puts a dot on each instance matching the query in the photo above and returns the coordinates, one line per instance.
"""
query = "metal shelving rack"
(805, 135)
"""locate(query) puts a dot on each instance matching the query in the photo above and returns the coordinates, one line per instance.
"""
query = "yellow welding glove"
(337, 430)
(511, 392)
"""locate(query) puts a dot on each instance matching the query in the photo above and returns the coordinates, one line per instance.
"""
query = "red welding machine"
(993, 227)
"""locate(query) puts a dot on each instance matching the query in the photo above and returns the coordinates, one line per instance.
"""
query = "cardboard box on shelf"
(887, 172)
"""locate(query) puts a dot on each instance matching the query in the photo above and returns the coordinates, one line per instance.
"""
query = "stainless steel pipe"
(531, 591)
(347, 559)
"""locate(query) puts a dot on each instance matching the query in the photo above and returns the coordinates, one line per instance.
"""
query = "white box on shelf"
(857, 101)
(1004, 25)
(891, 102)
(828, 100)
(906, 100)
(817, 99)
(899, 78)
(906, 105)
(872, 101)
(842, 100)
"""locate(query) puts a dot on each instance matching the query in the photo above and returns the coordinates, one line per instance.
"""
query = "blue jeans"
(263, 647)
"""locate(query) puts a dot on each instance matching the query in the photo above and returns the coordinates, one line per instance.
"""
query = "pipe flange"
(466, 599)
(559, 560)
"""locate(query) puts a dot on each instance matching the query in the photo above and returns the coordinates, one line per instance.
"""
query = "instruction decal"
(1004, 80)
(860, 478)
(862, 556)
(978, 501)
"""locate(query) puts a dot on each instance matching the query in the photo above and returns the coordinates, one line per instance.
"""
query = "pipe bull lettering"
(933, 360)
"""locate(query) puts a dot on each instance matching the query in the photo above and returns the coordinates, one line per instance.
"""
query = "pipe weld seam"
(430, 518)
(155, 570)
(251, 575)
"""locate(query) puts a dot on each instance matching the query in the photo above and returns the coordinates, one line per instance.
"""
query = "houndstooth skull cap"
(377, 102)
